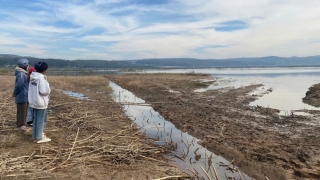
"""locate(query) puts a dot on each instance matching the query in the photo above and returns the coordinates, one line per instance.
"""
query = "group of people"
(31, 95)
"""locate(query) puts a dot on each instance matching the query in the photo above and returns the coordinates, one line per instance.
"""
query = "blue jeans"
(39, 122)
(30, 115)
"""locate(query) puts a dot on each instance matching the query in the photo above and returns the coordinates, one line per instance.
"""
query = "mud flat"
(262, 143)
(92, 138)
(313, 96)
(186, 152)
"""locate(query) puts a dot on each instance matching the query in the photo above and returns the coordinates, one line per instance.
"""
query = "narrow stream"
(188, 154)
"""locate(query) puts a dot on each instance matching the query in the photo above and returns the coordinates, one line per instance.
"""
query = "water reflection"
(76, 95)
(287, 93)
(289, 85)
(189, 154)
(243, 71)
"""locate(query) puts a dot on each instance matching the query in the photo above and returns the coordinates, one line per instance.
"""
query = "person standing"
(29, 114)
(20, 93)
(38, 95)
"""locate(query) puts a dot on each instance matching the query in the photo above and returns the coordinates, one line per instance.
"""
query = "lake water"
(289, 85)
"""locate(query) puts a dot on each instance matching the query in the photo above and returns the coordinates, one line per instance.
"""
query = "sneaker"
(43, 135)
(30, 123)
(45, 139)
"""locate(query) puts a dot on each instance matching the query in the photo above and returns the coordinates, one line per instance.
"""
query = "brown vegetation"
(91, 139)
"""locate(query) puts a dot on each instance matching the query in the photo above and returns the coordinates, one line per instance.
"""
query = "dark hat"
(41, 66)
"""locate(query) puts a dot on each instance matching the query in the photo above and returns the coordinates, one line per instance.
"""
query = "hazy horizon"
(128, 59)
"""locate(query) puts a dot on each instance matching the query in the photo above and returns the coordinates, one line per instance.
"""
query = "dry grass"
(6, 71)
(80, 83)
(90, 139)
(183, 82)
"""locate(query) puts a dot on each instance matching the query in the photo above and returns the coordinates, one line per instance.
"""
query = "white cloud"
(35, 28)
(23, 51)
(279, 29)
(79, 49)
(283, 28)
(89, 16)
(12, 45)
(5, 39)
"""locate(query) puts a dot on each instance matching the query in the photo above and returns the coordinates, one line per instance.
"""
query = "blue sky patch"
(231, 26)
(151, 2)
(200, 49)
(64, 24)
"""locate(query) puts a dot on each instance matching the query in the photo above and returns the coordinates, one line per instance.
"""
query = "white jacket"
(39, 91)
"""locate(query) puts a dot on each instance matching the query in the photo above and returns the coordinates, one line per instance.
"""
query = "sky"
(139, 29)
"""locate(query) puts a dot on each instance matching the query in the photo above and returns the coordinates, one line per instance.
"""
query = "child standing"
(29, 114)
(21, 93)
(38, 95)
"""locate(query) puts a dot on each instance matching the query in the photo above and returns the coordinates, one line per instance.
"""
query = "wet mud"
(262, 143)
(313, 96)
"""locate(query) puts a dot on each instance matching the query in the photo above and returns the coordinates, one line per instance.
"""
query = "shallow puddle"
(76, 95)
(188, 154)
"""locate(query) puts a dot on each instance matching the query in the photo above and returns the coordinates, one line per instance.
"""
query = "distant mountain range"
(270, 61)
(7, 60)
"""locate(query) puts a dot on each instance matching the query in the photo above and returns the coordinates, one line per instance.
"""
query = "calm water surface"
(289, 85)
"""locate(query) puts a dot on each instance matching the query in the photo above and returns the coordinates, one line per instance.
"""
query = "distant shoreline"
(170, 63)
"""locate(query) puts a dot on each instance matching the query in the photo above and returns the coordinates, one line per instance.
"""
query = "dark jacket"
(21, 86)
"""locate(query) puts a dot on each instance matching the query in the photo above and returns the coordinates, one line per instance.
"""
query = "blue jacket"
(21, 86)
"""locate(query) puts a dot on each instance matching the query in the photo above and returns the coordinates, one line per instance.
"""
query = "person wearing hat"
(38, 95)
(20, 93)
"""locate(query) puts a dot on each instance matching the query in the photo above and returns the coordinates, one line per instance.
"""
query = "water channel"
(188, 154)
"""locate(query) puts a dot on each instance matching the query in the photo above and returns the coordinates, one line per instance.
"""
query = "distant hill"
(11, 60)
(271, 61)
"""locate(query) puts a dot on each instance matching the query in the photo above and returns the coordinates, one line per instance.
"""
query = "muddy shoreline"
(313, 96)
(261, 143)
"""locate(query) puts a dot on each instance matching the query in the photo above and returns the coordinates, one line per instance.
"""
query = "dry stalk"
(215, 172)
(30, 156)
(75, 140)
(205, 173)
(156, 160)
(171, 177)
